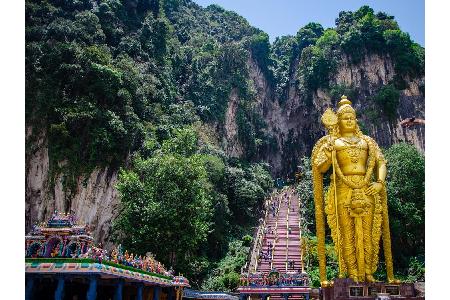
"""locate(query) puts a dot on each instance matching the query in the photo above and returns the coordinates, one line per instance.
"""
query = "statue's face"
(347, 122)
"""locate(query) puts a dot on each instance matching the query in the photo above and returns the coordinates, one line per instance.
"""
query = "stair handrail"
(257, 243)
(261, 239)
(300, 214)
(276, 234)
(287, 233)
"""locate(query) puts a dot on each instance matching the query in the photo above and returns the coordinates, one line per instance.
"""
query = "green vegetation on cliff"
(186, 203)
(315, 52)
(123, 83)
(99, 74)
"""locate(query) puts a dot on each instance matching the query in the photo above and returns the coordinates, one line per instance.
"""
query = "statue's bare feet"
(325, 283)
(354, 278)
(369, 278)
(393, 280)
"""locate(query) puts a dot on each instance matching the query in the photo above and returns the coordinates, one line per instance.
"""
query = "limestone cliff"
(230, 140)
(100, 91)
(293, 122)
(296, 125)
(94, 200)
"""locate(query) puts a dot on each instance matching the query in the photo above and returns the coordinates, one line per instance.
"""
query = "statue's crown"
(345, 106)
(344, 101)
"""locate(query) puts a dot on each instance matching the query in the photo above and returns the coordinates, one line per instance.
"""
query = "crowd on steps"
(277, 248)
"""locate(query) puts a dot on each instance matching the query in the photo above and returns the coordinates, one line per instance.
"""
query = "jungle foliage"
(189, 206)
(99, 74)
(356, 35)
(387, 98)
(406, 199)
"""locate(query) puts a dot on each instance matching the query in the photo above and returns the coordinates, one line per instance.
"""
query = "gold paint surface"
(355, 205)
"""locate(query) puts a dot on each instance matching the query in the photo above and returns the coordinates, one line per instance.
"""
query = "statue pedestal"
(347, 289)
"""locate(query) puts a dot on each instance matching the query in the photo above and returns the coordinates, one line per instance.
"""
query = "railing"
(252, 257)
(300, 212)
(287, 233)
(257, 280)
(276, 234)
(259, 244)
(252, 261)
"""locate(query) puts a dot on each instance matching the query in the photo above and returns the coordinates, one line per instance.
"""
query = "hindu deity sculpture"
(355, 204)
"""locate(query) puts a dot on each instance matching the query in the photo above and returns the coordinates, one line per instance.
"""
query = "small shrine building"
(62, 263)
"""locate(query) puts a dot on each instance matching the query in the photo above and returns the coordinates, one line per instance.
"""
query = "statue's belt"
(356, 201)
(354, 178)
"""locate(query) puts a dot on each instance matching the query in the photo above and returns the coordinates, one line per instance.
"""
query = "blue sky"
(284, 17)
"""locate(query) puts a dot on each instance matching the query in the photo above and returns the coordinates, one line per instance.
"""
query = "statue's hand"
(374, 188)
(328, 147)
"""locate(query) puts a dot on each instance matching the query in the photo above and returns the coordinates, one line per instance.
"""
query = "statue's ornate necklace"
(352, 140)
(353, 148)
(371, 164)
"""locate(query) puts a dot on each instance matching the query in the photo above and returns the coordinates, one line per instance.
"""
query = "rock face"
(294, 123)
(94, 201)
(231, 142)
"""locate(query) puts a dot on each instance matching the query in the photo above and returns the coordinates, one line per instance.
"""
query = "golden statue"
(355, 203)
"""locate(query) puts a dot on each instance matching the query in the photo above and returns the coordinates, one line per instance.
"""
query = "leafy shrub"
(336, 92)
(225, 277)
(387, 98)
(416, 270)
(247, 240)
(408, 56)
(283, 52)
(406, 199)
(309, 34)
(315, 67)
(329, 39)
(259, 46)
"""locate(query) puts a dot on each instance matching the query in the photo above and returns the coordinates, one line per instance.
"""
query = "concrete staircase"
(277, 246)
(283, 232)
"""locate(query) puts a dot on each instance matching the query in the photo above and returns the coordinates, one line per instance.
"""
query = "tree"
(406, 199)
(165, 207)
(283, 52)
(306, 196)
(259, 45)
(225, 277)
(387, 98)
(311, 259)
(315, 67)
(408, 56)
(309, 34)
(246, 189)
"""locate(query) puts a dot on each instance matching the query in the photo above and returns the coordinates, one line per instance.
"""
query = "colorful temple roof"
(92, 267)
(180, 281)
(61, 246)
(60, 224)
